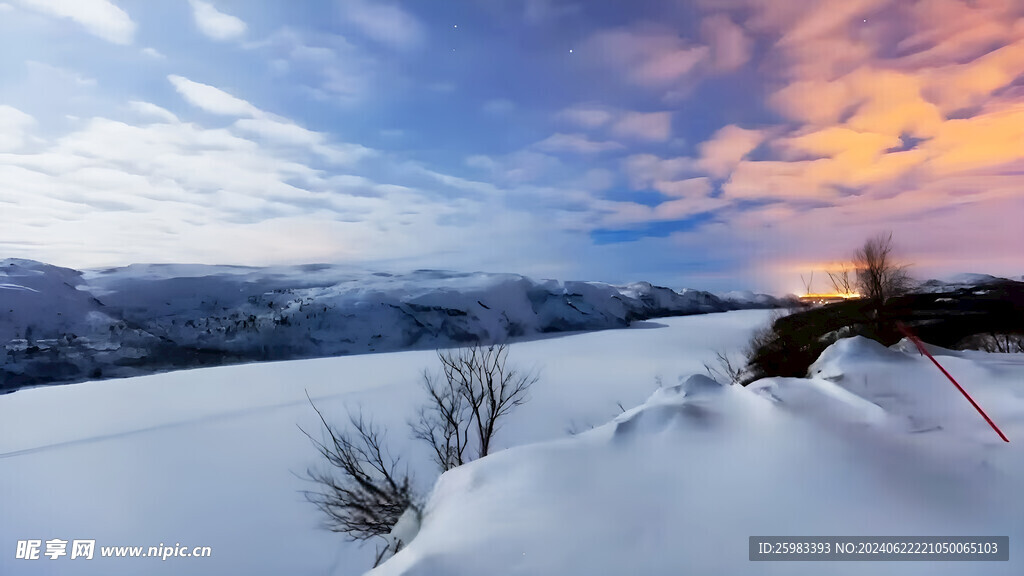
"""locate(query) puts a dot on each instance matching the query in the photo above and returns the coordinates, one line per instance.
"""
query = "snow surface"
(876, 442)
(209, 457)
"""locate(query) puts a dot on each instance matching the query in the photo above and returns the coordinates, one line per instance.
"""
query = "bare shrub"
(364, 493)
(765, 344)
(468, 401)
(726, 369)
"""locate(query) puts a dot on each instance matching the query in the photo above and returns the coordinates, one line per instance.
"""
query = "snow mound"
(678, 484)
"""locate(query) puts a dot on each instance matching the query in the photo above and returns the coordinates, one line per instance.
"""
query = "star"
(456, 26)
(570, 50)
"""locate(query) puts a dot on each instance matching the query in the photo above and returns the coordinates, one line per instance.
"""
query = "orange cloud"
(979, 142)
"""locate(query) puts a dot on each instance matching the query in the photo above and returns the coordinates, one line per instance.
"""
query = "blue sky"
(710, 144)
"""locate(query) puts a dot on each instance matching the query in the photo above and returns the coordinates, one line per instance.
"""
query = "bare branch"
(368, 494)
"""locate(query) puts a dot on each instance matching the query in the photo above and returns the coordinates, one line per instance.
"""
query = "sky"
(713, 144)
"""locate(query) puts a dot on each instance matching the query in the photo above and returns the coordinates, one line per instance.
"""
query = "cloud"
(58, 74)
(216, 24)
(699, 187)
(385, 23)
(283, 132)
(963, 85)
(13, 127)
(631, 213)
(111, 192)
(211, 99)
(153, 53)
(647, 55)
(515, 168)
(99, 17)
(280, 131)
(649, 126)
(643, 170)
(946, 31)
(730, 46)
(984, 141)
(587, 115)
(539, 12)
(596, 180)
(575, 143)
(688, 198)
(149, 110)
(725, 149)
(327, 66)
(625, 124)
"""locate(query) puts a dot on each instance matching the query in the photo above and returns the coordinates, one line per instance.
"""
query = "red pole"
(920, 346)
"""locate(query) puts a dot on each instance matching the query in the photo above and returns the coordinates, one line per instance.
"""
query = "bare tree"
(467, 403)
(879, 277)
(365, 494)
(841, 281)
(807, 283)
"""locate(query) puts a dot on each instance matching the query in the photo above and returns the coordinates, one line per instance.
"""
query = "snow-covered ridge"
(962, 281)
(62, 325)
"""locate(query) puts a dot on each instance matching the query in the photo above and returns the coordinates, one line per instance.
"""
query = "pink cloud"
(726, 148)
(730, 46)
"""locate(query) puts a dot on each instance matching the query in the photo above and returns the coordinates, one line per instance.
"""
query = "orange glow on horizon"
(846, 296)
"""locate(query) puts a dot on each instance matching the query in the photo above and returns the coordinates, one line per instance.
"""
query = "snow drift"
(874, 443)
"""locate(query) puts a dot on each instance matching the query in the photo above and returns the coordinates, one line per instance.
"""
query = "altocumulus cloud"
(99, 17)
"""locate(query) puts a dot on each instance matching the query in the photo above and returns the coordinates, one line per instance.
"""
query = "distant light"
(570, 50)
(456, 26)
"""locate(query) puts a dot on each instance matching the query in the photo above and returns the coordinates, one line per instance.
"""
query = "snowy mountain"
(748, 299)
(53, 329)
(62, 325)
(960, 282)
